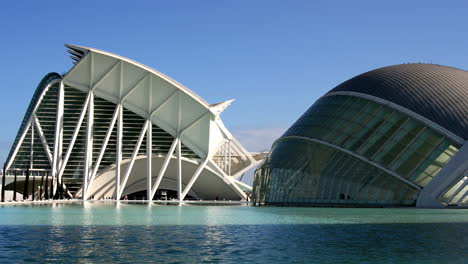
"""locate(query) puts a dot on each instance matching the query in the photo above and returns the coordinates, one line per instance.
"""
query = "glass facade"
(377, 133)
(301, 171)
(46, 114)
(37, 93)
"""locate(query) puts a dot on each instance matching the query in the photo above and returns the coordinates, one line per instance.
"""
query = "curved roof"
(438, 93)
(146, 92)
(45, 82)
(78, 53)
(151, 95)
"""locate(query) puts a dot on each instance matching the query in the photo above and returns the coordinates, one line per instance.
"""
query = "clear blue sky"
(275, 57)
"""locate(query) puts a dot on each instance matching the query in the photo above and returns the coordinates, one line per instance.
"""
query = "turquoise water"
(139, 233)
(99, 213)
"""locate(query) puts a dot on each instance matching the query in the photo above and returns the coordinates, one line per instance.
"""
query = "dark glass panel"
(377, 132)
(300, 171)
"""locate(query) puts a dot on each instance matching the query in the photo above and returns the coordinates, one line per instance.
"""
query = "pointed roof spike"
(218, 108)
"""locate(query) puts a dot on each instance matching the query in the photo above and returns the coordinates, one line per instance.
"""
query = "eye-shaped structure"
(394, 136)
(112, 127)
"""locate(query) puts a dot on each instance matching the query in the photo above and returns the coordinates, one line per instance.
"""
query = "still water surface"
(139, 233)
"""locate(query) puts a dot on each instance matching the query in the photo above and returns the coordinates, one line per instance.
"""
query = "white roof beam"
(163, 103)
(135, 86)
(105, 75)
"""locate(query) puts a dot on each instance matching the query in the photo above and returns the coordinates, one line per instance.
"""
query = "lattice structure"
(110, 124)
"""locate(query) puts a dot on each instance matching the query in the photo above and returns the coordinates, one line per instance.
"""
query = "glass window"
(377, 132)
(322, 174)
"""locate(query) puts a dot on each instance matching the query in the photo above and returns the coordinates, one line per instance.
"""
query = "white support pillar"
(26, 128)
(118, 158)
(118, 152)
(194, 178)
(230, 158)
(103, 149)
(132, 160)
(31, 153)
(164, 166)
(60, 108)
(43, 139)
(149, 143)
(169, 154)
(89, 145)
(179, 151)
(75, 135)
(149, 159)
(57, 154)
(179, 170)
(225, 156)
(20, 142)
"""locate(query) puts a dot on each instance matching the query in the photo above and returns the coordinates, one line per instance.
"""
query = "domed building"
(394, 136)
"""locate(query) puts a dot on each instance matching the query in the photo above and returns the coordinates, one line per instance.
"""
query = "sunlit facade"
(112, 128)
(376, 140)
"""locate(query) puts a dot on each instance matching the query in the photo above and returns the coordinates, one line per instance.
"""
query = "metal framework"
(108, 112)
(427, 163)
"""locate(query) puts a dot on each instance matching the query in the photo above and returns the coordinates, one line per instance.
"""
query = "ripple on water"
(211, 235)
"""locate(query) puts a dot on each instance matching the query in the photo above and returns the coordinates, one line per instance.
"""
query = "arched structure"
(109, 117)
(394, 136)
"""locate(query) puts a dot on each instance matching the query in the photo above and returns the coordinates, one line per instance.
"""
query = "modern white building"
(111, 128)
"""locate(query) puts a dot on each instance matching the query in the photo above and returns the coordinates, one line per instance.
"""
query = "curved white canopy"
(150, 94)
(159, 100)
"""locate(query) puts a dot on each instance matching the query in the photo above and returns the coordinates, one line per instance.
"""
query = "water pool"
(139, 233)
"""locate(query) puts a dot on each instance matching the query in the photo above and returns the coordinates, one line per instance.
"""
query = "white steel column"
(149, 143)
(179, 170)
(23, 135)
(164, 166)
(43, 138)
(26, 129)
(169, 154)
(31, 153)
(179, 152)
(89, 145)
(132, 160)
(57, 154)
(226, 156)
(194, 177)
(118, 157)
(149, 159)
(75, 135)
(230, 158)
(97, 163)
(118, 152)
